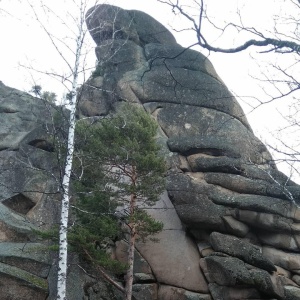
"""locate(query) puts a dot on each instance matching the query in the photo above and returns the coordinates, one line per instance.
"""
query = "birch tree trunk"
(63, 242)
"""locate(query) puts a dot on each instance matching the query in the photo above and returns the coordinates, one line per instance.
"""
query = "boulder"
(229, 271)
(167, 292)
(287, 260)
(30, 257)
(105, 21)
(175, 56)
(244, 185)
(238, 248)
(257, 203)
(235, 227)
(21, 285)
(296, 278)
(219, 292)
(292, 293)
(120, 57)
(145, 291)
(270, 222)
(290, 242)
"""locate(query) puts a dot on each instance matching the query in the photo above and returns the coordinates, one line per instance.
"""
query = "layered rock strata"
(231, 219)
(227, 207)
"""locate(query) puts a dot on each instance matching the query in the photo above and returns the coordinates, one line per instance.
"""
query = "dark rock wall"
(231, 222)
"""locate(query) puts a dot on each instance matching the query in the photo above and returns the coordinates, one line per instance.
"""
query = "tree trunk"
(63, 243)
(129, 275)
(132, 226)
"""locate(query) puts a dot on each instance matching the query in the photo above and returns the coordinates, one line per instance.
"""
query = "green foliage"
(36, 90)
(146, 225)
(88, 246)
(47, 96)
(95, 224)
(95, 211)
(117, 159)
(124, 141)
(51, 234)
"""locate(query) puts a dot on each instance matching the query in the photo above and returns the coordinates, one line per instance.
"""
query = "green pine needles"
(119, 174)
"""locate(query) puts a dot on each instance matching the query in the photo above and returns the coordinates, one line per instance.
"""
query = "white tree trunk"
(63, 242)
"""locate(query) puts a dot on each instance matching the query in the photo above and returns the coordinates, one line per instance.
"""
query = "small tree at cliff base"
(120, 156)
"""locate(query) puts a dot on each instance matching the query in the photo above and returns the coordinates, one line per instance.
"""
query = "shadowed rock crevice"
(42, 144)
(19, 203)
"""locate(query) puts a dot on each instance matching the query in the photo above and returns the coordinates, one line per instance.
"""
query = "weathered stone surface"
(166, 292)
(31, 257)
(283, 272)
(280, 240)
(190, 199)
(228, 271)
(175, 56)
(27, 192)
(272, 285)
(194, 88)
(101, 290)
(17, 227)
(229, 293)
(106, 21)
(286, 260)
(120, 57)
(145, 291)
(93, 101)
(256, 203)
(292, 293)
(174, 249)
(191, 212)
(270, 222)
(296, 278)
(103, 19)
(204, 249)
(19, 284)
(235, 227)
(208, 163)
(141, 268)
(149, 30)
(238, 248)
(244, 185)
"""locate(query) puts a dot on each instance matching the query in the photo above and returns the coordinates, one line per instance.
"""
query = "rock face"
(231, 220)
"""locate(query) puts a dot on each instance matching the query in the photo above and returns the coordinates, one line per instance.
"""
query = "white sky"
(23, 42)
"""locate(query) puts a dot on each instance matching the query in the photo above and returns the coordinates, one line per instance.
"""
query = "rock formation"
(231, 219)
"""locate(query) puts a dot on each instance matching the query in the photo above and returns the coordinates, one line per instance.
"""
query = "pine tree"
(119, 155)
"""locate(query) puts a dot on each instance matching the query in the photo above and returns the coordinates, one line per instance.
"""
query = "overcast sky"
(23, 42)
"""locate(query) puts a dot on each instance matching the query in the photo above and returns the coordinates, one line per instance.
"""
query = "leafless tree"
(72, 52)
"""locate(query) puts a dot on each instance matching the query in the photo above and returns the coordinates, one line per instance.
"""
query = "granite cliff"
(231, 219)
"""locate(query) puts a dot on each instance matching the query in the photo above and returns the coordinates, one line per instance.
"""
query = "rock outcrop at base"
(231, 219)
